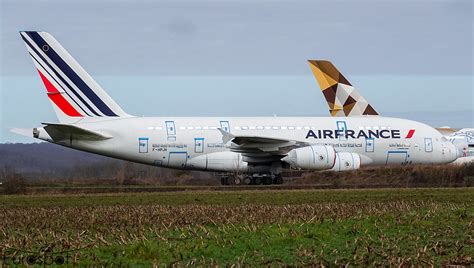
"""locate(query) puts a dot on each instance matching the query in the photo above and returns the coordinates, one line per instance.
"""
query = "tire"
(267, 180)
(248, 180)
(257, 180)
(279, 179)
(237, 181)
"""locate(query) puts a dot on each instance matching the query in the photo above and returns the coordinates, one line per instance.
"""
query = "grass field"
(325, 227)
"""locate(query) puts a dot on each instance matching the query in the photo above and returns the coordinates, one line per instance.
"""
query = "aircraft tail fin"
(343, 99)
(74, 94)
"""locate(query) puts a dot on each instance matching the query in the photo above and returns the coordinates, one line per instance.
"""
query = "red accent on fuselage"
(56, 97)
(410, 134)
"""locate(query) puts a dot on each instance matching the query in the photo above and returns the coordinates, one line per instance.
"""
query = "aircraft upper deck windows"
(275, 127)
(245, 128)
(154, 128)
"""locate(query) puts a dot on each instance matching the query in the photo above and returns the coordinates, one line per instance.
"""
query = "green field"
(328, 227)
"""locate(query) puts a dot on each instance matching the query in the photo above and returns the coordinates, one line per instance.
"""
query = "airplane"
(344, 100)
(245, 150)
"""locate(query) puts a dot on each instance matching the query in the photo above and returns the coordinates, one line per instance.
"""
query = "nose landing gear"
(254, 179)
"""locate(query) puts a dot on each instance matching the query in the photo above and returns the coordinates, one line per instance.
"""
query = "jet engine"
(316, 157)
(346, 161)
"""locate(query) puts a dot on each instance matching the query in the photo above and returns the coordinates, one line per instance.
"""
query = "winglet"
(226, 136)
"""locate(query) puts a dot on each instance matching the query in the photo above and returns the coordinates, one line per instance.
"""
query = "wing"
(64, 132)
(259, 149)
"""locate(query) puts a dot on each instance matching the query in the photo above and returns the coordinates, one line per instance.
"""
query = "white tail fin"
(72, 91)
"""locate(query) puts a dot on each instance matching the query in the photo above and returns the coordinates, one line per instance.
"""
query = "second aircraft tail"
(343, 99)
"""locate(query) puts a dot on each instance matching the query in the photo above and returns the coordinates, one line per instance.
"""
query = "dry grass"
(387, 227)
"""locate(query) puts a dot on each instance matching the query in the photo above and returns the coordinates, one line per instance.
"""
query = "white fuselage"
(189, 142)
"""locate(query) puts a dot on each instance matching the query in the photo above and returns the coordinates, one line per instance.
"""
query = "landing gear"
(267, 179)
(237, 180)
(248, 180)
(254, 179)
(225, 180)
(278, 179)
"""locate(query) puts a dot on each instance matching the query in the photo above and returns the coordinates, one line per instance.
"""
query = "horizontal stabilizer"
(65, 132)
(27, 132)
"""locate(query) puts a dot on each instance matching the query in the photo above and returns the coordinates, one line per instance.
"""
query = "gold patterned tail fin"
(342, 98)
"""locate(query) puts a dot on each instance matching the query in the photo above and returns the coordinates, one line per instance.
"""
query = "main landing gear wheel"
(278, 179)
(248, 180)
(257, 180)
(237, 180)
(267, 180)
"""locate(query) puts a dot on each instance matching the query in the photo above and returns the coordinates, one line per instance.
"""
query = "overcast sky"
(247, 57)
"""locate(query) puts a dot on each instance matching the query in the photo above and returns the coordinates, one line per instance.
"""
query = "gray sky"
(246, 57)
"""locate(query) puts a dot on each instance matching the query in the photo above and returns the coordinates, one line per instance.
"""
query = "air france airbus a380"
(258, 147)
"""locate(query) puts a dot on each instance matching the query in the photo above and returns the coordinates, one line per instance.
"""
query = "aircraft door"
(369, 145)
(199, 145)
(143, 145)
(170, 130)
(341, 125)
(428, 145)
(225, 126)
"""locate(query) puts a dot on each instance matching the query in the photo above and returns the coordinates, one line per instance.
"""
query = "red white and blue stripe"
(68, 85)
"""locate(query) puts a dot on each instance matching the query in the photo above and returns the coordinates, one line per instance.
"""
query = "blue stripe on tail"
(69, 72)
(60, 77)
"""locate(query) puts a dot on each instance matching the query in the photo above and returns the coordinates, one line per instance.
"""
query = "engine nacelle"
(346, 161)
(219, 161)
(316, 157)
